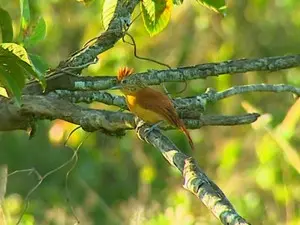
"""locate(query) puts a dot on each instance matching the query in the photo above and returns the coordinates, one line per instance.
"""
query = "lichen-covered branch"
(202, 71)
(89, 53)
(156, 77)
(195, 180)
(106, 40)
(277, 88)
(198, 102)
(49, 107)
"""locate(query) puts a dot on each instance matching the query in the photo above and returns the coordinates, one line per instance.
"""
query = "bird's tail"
(186, 132)
(179, 123)
(173, 118)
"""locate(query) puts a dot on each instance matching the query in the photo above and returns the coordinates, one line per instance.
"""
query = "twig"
(41, 179)
(75, 159)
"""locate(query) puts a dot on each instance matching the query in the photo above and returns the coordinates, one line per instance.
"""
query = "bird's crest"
(124, 72)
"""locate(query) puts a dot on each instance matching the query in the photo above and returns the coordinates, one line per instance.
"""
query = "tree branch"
(48, 107)
(156, 77)
(198, 102)
(195, 180)
(202, 71)
(63, 73)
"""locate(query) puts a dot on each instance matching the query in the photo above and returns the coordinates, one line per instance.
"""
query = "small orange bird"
(150, 105)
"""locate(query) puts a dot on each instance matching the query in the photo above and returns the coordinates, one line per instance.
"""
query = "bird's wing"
(157, 102)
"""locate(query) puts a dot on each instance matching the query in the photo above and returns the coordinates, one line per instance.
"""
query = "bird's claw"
(153, 127)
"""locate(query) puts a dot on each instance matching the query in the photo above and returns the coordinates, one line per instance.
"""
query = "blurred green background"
(125, 181)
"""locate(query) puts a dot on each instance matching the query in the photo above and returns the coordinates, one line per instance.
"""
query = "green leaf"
(38, 33)
(25, 14)
(39, 64)
(156, 14)
(216, 5)
(6, 26)
(18, 50)
(11, 74)
(15, 67)
(109, 8)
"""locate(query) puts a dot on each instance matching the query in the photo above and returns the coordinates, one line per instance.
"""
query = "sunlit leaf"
(37, 34)
(3, 91)
(6, 26)
(216, 5)
(109, 8)
(18, 50)
(156, 14)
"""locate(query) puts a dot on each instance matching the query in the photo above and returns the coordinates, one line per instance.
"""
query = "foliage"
(15, 63)
(123, 181)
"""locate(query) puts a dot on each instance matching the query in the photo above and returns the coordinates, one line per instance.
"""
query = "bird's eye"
(124, 82)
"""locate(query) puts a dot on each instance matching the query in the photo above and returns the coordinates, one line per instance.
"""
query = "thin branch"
(88, 54)
(202, 71)
(278, 88)
(156, 77)
(195, 180)
(198, 102)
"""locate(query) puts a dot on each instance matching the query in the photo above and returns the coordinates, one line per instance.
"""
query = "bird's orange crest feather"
(124, 72)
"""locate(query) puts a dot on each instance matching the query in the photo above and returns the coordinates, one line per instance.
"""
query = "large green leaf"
(156, 14)
(11, 75)
(6, 26)
(25, 62)
(216, 5)
(15, 67)
(109, 7)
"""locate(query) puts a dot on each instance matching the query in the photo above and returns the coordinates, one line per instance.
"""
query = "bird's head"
(123, 83)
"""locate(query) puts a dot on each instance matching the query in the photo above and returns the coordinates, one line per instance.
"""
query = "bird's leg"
(154, 126)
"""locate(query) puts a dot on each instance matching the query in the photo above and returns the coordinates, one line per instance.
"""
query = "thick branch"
(49, 107)
(195, 180)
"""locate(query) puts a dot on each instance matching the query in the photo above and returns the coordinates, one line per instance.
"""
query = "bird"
(152, 106)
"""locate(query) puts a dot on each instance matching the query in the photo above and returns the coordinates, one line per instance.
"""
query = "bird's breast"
(144, 114)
